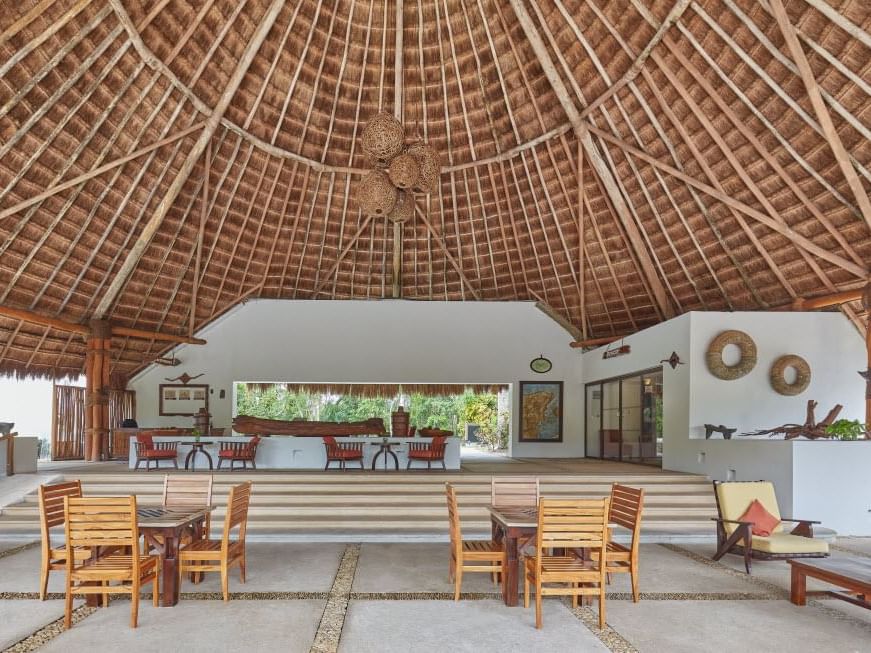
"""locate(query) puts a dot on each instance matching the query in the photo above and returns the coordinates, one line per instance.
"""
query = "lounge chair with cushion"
(747, 533)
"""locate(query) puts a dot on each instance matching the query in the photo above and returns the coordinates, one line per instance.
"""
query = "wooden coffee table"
(852, 574)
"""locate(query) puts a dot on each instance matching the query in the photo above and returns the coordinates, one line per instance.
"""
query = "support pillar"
(97, 362)
(866, 303)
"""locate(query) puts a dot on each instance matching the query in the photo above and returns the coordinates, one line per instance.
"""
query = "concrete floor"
(389, 597)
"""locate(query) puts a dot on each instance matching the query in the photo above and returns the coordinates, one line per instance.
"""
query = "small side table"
(190, 461)
(385, 450)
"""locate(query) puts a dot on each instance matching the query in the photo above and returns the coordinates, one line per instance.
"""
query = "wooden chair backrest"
(146, 439)
(51, 503)
(252, 444)
(454, 518)
(625, 510)
(438, 445)
(330, 444)
(101, 521)
(187, 491)
(521, 491)
(237, 512)
(573, 524)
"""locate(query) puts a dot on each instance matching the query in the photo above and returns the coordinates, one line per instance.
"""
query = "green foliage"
(494, 432)
(846, 429)
(450, 412)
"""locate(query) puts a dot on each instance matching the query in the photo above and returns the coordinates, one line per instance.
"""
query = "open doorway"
(624, 418)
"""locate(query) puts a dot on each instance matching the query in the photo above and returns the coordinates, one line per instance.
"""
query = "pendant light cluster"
(400, 170)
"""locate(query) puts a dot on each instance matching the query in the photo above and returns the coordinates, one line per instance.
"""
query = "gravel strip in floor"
(330, 627)
(47, 633)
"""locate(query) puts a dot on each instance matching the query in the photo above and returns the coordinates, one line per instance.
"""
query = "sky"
(28, 404)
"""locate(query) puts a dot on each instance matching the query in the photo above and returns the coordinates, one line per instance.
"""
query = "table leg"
(375, 459)
(208, 457)
(169, 581)
(395, 460)
(509, 575)
(798, 587)
(187, 459)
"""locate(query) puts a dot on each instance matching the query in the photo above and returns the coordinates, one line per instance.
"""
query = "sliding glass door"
(624, 418)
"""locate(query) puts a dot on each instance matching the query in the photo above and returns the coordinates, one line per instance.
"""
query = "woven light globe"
(404, 208)
(376, 194)
(430, 167)
(404, 171)
(383, 139)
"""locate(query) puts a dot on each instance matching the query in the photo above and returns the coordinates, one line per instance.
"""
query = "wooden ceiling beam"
(54, 190)
(822, 112)
(453, 261)
(594, 157)
(195, 153)
(782, 229)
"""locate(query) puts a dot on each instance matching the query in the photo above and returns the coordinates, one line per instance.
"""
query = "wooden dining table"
(510, 525)
(170, 524)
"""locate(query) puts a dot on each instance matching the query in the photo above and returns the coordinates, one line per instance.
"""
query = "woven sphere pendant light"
(383, 138)
(404, 171)
(377, 195)
(404, 208)
(430, 167)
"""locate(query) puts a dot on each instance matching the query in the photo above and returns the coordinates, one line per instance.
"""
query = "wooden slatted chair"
(149, 451)
(470, 555)
(220, 555)
(568, 524)
(343, 452)
(431, 452)
(625, 510)
(51, 515)
(107, 523)
(189, 491)
(244, 452)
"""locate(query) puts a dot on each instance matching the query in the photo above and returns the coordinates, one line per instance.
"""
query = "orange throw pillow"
(763, 521)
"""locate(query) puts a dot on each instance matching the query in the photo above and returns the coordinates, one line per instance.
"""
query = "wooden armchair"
(244, 452)
(148, 450)
(343, 452)
(625, 510)
(736, 536)
(106, 523)
(51, 514)
(430, 452)
(470, 555)
(568, 524)
(220, 555)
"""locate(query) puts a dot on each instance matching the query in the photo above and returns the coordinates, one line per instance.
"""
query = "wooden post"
(97, 391)
(581, 237)
(398, 89)
(866, 302)
(397, 260)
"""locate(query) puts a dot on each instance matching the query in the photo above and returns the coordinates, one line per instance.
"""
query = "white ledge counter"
(291, 452)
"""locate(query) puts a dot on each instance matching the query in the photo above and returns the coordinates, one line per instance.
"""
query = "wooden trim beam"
(453, 261)
(823, 115)
(193, 156)
(595, 342)
(595, 158)
(84, 329)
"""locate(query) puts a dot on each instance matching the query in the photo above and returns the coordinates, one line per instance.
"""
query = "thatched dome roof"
(712, 179)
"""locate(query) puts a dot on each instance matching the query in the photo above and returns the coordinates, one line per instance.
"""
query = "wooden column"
(97, 362)
(866, 302)
(397, 260)
(398, 90)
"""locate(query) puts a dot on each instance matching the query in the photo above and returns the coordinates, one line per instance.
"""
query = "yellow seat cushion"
(786, 543)
(736, 497)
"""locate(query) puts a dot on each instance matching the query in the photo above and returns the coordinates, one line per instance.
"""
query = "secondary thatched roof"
(711, 177)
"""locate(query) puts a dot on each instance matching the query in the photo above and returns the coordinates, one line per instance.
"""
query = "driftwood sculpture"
(725, 431)
(811, 429)
(259, 426)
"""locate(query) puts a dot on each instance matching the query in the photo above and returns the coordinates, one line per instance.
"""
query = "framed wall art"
(183, 400)
(541, 411)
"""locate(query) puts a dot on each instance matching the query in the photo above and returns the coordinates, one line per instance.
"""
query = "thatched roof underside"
(723, 191)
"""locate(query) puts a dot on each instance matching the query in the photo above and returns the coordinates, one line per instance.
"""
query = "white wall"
(387, 341)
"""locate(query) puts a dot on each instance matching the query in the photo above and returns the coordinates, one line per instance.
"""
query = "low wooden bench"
(851, 574)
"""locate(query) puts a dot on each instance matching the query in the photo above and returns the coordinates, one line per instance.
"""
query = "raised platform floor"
(394, 506)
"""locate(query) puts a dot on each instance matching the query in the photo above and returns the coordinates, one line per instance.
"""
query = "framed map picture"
(541, 411)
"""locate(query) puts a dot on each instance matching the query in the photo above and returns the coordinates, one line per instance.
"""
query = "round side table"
(190, 461)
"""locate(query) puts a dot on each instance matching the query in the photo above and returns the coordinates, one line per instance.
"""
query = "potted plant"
(196, 433)
(846, 429)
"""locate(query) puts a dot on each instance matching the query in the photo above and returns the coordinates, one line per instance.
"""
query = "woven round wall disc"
(777, 375)
(404, 171)
(383, 138)
(430, 167)
(714, 355)
(377, 195)
(404, 208)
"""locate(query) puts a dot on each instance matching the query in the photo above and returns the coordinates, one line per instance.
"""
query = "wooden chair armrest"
(800, 521)
(733, 521)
